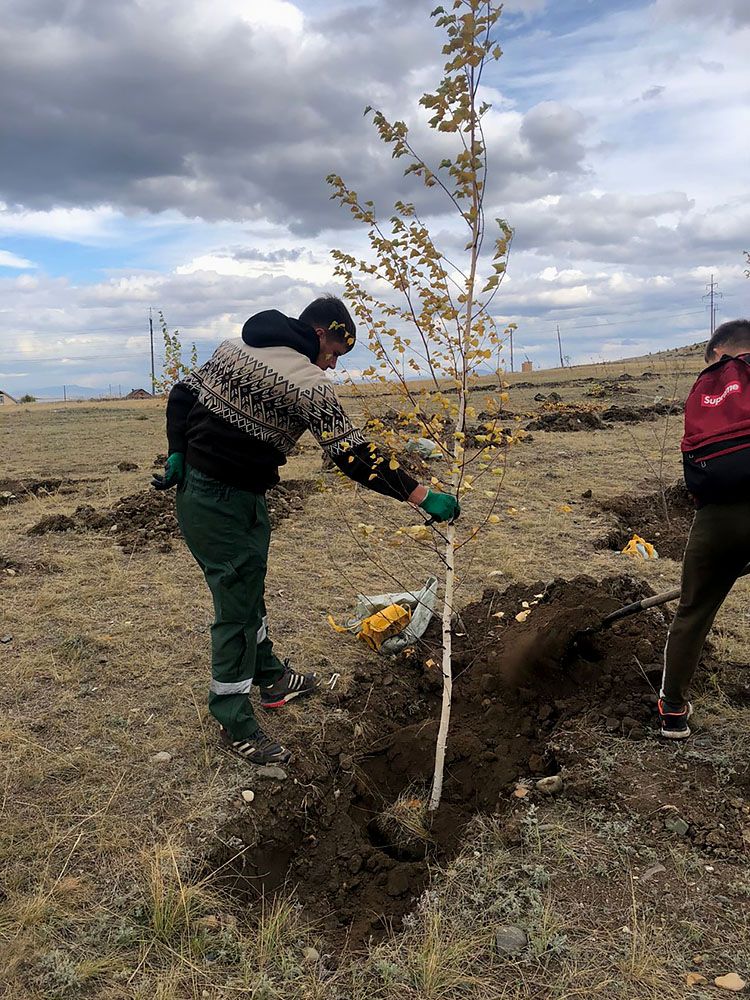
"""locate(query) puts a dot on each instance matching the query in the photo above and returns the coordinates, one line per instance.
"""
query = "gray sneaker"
(255, 749)
(289, 686)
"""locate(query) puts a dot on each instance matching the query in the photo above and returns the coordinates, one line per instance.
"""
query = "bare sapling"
(426, 311)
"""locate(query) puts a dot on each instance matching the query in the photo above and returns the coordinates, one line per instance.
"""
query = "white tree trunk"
(450, 557)
(445, 713)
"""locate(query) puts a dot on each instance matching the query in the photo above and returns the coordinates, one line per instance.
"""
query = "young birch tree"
(173, 367)
(428, 312)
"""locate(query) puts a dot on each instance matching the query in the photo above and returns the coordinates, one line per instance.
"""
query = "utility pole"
(712, 295)
(151, 332)
(65, 395)
(511, 350)
(559, 344)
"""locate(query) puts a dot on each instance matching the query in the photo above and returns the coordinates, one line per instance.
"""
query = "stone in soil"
(510, 940)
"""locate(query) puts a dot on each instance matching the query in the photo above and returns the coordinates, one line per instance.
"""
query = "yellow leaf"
(520, 791)
(695, 978)
(522, 616)
(512, 511)
(393, 464)
(565, 508)
(493, 519)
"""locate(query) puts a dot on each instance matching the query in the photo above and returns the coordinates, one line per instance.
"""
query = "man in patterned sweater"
(230, 425)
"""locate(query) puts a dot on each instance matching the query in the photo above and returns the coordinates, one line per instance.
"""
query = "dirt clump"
(635, 414)
(125, 466)
(664, 520)
(53, 522)
(567, 418)
(352, 834)
(288, 499)
(12, 567)
(18, 490)
(148, 520)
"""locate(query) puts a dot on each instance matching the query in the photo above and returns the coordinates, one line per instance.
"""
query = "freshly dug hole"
(643, 514)
(348, 831)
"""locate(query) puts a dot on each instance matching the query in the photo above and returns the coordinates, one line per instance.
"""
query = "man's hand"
(174, 472)
(441, 506)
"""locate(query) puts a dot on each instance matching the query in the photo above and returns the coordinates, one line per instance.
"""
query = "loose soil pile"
(635, 414)
(18, 490)
(12, 567)
(645, 515)
(148, 520)
(351, 833)
(568, 417)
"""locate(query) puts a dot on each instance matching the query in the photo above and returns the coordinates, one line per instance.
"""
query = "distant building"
(139, 394)
(6, 399)
(527, 366)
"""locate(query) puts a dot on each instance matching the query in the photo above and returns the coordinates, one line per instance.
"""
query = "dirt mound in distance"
(567, 418)
(351, 833)
(635, 414)
(18, 490)
(148, 520)
(13, 567)
(645, 515)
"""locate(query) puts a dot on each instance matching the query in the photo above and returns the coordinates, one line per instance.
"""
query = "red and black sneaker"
(289, 686)
(674, 720)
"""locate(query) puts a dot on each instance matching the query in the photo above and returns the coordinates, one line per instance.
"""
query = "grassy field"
(120, 819)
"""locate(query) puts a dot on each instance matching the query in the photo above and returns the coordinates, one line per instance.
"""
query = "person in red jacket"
(230, 425)
(716, 458)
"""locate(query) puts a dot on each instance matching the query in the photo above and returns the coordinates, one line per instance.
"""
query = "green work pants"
(228, 532)
(717, 551)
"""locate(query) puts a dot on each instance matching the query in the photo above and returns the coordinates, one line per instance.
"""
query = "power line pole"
(511, 350)
(559, 344)
(712, 295)
(65, 395)
(151, 332)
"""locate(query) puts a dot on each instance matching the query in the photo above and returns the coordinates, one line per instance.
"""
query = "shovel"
(634, 609)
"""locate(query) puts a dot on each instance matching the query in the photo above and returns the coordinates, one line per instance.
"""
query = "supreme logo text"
(707, 400)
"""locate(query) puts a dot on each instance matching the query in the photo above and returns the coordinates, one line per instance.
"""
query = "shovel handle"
(650, 602)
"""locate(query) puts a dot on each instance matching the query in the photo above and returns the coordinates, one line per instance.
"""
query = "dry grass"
(101, 893)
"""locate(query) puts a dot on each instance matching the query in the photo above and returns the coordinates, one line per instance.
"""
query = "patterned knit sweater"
(238, 416)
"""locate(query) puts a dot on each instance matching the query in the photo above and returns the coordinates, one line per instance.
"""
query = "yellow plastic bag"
(384, 624)
(395, 620)
(640, 548)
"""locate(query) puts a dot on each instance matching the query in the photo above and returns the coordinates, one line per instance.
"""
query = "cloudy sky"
(171, 154)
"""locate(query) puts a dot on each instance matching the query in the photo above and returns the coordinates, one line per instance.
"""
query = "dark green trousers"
(717, 551)
(228, 532)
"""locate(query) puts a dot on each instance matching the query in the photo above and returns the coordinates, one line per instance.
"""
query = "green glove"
(174, 472)
(441, 506)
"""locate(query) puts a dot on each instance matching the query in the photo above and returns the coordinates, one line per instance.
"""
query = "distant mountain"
(49, 393)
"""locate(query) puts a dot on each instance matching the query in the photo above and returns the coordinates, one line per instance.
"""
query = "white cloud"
(8, 259)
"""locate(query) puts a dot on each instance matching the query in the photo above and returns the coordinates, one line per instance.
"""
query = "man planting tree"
(716, 459)
(230, 425)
